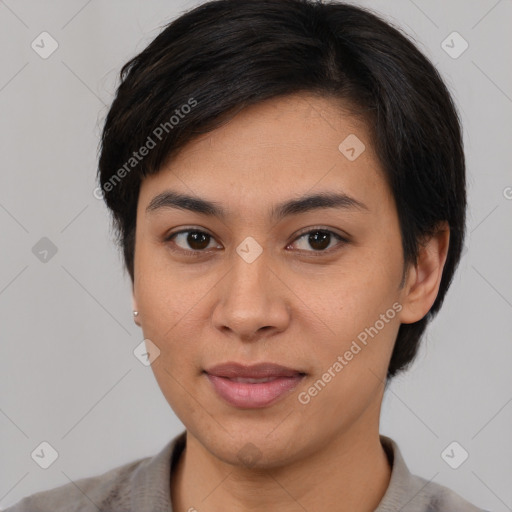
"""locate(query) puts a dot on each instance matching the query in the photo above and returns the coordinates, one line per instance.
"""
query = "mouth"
(254, 386)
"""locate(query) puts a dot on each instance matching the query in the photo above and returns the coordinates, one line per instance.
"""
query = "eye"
(320, 239)
(198, 241)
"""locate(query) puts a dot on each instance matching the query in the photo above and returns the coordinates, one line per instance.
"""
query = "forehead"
(302, 123)
(280, 148)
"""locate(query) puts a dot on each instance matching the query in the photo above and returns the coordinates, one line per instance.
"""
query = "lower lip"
(252, 396)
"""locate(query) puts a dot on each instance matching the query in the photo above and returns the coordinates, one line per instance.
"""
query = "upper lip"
(232, 370)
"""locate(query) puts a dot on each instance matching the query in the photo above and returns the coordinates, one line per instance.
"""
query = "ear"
(424, 278)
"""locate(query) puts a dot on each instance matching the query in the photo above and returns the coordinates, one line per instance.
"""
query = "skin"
(288, 307)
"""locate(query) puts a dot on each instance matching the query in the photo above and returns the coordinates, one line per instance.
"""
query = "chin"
(255, 446)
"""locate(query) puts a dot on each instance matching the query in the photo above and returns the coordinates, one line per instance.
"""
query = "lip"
(233, 370)
(224, 379)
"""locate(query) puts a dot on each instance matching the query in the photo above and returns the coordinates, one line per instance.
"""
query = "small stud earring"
(135, 313)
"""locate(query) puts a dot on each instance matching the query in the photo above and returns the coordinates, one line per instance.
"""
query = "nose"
(253, 302)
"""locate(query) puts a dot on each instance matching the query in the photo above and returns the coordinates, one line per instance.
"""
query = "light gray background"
(68, 373)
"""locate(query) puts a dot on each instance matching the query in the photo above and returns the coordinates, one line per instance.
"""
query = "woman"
(289, 231)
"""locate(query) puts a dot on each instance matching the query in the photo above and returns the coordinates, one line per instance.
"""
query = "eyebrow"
(304, 204)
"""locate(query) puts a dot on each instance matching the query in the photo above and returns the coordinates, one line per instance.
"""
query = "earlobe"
(424, 278)
(135, 311)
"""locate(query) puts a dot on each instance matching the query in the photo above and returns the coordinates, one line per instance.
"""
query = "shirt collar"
(403, 485)
(151, 482)
(151, 492)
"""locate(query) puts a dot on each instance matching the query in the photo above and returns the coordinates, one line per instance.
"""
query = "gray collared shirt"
(144, 486)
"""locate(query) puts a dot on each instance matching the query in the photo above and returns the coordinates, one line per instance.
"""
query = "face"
(313, 289)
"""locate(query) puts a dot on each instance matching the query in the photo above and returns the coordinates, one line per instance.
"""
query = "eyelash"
(191, 253)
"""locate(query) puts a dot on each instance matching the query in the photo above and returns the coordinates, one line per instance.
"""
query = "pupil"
(193, 240)
(313, 240)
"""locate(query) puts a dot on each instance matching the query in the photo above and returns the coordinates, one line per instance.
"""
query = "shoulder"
(107, 491)
(438, 498)
(411, 493)
(141, 486)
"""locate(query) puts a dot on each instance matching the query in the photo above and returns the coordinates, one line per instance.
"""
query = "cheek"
(357, 297)
(171, 312)
(163, 292)
(351, 360)
(359, 320)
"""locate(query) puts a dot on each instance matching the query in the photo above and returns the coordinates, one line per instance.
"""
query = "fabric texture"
(144, 486)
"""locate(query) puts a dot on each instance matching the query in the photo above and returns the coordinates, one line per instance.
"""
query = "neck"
(351, 473)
